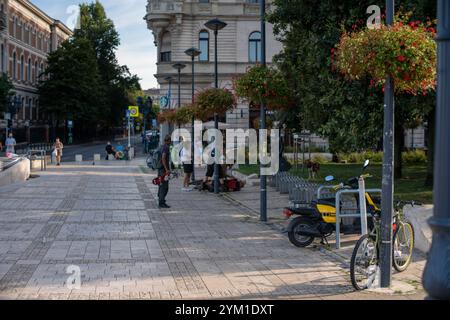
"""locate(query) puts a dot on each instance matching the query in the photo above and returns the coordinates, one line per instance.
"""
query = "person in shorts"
(188, 168)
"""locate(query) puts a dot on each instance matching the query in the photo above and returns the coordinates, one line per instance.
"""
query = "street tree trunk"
(399, 137)
(431, 119)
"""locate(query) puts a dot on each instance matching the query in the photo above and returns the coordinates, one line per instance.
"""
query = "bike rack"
(42, 154)
(352, 215)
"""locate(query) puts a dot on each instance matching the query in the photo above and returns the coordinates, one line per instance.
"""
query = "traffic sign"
(134, 111)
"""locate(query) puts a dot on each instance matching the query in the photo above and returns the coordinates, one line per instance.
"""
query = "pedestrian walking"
(164, 171)
(188, 168)
(10, 144)
(58, 147)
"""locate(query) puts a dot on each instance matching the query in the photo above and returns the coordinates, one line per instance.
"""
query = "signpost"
(70, 126)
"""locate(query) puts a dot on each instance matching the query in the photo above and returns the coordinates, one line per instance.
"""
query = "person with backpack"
(162, 161)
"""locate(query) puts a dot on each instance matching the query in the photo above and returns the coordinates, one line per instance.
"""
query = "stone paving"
(103, 220)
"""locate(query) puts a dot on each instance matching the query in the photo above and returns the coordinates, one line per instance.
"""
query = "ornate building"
(180, 25)
(27, 35)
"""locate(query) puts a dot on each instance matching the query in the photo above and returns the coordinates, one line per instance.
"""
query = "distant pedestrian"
(58, 147)
(188, 168)
(10, 144)
(164, 171)
(110, 151)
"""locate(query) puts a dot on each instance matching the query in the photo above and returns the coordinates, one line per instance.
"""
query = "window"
(252, 1)
(22, 68)
(29, 70)
(254, 47)
(35, 71)
(14, 68)
(203, 45)
(166, 48)
(203, 1)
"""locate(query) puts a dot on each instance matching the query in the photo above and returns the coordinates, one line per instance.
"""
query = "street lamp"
(179, 67)
(387, 198)
(263, 182)
(216, 25)
(193, 52)
(436, 277)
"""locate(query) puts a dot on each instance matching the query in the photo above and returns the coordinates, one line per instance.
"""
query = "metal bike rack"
(42, 156)
(353, 215)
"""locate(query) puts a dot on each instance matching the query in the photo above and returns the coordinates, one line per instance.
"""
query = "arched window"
(22, 68)
(166, 47)
(14, 68)
(29, 70)
(203, 45)
(35, 71)
(254, 47)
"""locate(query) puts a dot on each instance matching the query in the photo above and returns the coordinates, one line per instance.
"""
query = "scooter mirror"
(329, 178)
(366, 164)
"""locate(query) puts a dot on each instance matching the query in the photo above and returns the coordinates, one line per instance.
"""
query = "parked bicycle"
(366, 254)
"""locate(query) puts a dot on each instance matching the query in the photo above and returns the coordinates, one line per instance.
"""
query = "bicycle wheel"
(403, 246)
(364, 263)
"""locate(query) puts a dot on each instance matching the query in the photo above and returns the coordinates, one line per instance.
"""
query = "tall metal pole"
(179, 88)
(193, 123)
(263, 182)
(436, 278)
(216, 116)
(388, 177)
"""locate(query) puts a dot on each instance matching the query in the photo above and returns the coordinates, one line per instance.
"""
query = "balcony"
(160, 12)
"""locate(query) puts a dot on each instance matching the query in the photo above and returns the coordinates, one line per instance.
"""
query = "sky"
(136, 50)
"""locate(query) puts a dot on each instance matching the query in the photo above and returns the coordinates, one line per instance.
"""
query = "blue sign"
(128, 113)
(164, 102)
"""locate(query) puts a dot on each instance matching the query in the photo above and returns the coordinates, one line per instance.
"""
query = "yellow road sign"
(134, 111)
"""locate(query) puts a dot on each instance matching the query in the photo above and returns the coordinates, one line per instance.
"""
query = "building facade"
(27, 36)
(180, 25)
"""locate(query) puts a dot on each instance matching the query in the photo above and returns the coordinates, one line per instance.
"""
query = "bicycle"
(365, 258)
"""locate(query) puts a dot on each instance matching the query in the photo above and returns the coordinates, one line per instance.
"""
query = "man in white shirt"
(10, 144)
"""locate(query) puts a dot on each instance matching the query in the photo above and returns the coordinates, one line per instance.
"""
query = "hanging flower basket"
(263, 85)
(405, 51)
(167, 116)
(212, 100)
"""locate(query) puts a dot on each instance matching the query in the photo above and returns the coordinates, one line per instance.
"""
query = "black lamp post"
(387, 198)
(263, 182)
(179, 67)
(193, 52)
(216, 25)
(436, 278)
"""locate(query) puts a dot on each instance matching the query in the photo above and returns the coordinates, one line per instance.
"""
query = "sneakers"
(164, 206)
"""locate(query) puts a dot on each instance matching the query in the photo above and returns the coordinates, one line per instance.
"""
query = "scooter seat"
(327, 202)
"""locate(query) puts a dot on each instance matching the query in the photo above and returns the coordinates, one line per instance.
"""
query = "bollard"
(97, 157)
(79, 158)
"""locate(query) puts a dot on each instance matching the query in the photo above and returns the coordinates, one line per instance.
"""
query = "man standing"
(164, 171)
(10, 144)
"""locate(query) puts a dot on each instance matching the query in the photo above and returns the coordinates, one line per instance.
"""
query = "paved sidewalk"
(103, 220)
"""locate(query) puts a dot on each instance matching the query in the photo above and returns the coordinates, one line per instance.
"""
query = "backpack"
(157, 159)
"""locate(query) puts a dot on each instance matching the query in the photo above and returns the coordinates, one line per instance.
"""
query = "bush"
(375, 157)
(319, 159)
(360, 157)
(414, 157)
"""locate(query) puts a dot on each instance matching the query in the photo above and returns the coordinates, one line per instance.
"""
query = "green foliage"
(264, 85)
(319, 159)
(73, 84)
(360, 157)
(6, 91)
(414, 157)
(349, 113)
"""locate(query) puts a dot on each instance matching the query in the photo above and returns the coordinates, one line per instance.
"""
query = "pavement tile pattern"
(104, 221)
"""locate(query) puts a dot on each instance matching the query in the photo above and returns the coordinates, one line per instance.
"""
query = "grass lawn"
(411, 187)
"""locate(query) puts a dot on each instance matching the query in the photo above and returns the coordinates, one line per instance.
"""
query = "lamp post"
(387, 197)
(263, 182)
(193, 52)
(216, 25)
(436, 277)
(179, 67)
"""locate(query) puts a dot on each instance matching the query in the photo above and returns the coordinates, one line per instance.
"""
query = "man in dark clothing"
(110, 151)
(164, 171)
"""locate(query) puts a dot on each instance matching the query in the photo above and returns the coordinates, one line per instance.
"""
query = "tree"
(72, 88)
(6, 91)
(350, 114)
(116, 80)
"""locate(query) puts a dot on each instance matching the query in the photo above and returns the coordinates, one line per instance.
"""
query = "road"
(88, 150)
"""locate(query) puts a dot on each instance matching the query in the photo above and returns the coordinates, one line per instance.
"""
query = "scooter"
(319, 220)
